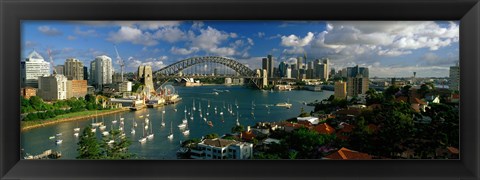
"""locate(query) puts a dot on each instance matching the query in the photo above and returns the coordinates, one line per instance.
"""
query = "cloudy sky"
(388, 48)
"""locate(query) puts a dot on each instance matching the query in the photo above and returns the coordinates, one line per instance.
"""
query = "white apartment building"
(52, 87)
(101, 71)
(33, 67)
(222, 149)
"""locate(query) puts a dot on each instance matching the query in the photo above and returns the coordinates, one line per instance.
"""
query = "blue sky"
(388, 48)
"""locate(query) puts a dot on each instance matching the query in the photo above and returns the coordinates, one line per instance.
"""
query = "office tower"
(340, 90)
(85, 73)
(454, 84)
(53, 87)
(289, 72)
(357, 85)
(60, 69)
(145, 75)
(264, 78)
(282, 68)
(73, 69)
(267, 63)
(325, 69)
(299, 63)
(93, 73)
(271, 64)
(103, 71)
(33, 67)
(354, 71)
(332, 72)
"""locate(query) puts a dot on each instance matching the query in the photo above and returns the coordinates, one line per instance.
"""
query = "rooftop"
(347, 154)
(218, 142)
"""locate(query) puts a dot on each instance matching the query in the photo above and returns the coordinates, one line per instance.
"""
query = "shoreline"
(52, 122)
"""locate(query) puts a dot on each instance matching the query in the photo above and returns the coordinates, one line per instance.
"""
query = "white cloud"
(233, 35)
(250, 41)
(295, 41)
(183, 51)
(30, 44)
(197, 24)
(261, 34)
(170, 34)
(71, 38)
(89, 32)
(132, 35)
(49, 31)
(209, 40)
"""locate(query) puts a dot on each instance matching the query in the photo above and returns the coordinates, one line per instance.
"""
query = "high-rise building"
(267, 64)
(85, 73)
(299, 62)
(145, 75)
(289, 72)
(32, 68)
(271, 64)
(74, 69)
(53, 87)
(101, 71)
(60, 69)
(117, 78)
(264, 78)
(340, 90)
(357, 85)
(282, 69)
(454, 83)
(354, 71)
(93, 73)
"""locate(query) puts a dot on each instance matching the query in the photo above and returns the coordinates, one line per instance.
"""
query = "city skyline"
(388, 49)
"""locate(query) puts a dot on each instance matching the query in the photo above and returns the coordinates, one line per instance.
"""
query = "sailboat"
(102, 126)
(186, 131)
(96, 124)
(77, 128)
(236, 103)
(191, 115)
(115, 120)
(170, 136)
(208, 104)
(199, 107)
(150, 136)
(185, 119)
(163, 122)
(238, 123)
(134, 122)
(194, 105)
(143, 139)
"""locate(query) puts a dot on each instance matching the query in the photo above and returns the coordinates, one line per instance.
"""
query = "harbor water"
(253, 106)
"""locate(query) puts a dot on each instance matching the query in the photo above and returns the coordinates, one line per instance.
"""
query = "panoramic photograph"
(244, 90)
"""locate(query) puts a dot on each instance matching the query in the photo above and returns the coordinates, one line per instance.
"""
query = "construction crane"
(119, 59)
(51, 61)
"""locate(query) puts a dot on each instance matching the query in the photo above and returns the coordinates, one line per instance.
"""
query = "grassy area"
(65, 117)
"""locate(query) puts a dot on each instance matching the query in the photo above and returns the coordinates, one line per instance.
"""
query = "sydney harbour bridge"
(197, 67)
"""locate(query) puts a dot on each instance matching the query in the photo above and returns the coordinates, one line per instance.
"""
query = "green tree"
(37, 103)
(238, 129)
(306, 142)
(88, 146)
(212, 136)
(119, 148)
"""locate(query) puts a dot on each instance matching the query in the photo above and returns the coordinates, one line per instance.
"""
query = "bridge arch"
(176, 68)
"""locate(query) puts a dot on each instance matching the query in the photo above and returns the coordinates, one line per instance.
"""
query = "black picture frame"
(12, 12)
